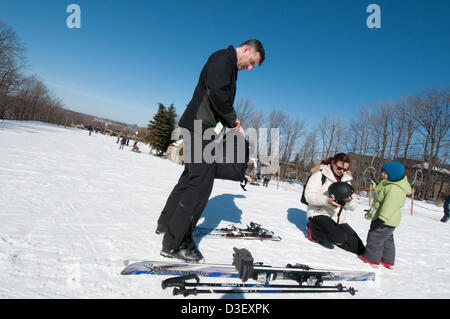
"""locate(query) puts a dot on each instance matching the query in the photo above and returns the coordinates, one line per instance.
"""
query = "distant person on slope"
(266, 180)
(122, 142)
(327, 221)
(212, 102)
(446, 209)
(136, 147)
(390, 196)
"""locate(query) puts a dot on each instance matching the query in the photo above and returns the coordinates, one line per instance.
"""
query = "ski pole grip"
(179, 282)
(184, 292)
(243, 261)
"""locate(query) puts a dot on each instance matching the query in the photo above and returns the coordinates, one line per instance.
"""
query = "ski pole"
(180, 284)
(186, 292)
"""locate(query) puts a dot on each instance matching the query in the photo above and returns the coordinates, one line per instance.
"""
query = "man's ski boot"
(188, 255)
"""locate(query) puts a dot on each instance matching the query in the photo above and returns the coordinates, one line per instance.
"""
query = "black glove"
(376, 223)
(243, 261)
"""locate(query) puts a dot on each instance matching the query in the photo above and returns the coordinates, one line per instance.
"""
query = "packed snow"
(73, 207)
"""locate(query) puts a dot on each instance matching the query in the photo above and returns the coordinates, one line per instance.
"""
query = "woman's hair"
(340, 157)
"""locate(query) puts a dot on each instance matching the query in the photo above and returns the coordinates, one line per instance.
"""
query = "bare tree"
(11, 62)
(256, 120)
(331, 132)
(276, 120)
(244, 111)
(306, 157)
(30, 94)
(11, 49)
(292, 131)
(433, 120)
(382, 127)
(360, 132)
(405, 112)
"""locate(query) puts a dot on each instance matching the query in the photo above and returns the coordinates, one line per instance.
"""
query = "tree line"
(23, 97)
(26, 97)
(413, 130)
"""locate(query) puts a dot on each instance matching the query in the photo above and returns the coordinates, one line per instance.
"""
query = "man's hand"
(237, 126)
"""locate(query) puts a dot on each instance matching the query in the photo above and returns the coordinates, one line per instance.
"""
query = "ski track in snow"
(74, 206)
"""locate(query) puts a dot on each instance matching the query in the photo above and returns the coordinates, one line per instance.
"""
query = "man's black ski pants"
(187, 201)
(186, 204)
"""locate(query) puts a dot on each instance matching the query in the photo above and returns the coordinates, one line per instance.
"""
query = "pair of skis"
(308, 279)
(253, 231)
(181, 284)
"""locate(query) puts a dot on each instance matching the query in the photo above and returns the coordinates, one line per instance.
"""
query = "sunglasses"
(341, 168)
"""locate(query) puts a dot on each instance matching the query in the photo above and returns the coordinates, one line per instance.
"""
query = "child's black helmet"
(340, 191)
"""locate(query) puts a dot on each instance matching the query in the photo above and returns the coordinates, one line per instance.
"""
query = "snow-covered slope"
(74, 206)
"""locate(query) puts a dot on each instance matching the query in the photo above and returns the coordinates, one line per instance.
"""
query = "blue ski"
(300, 273)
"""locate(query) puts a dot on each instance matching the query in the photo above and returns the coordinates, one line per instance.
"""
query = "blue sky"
(321, 58)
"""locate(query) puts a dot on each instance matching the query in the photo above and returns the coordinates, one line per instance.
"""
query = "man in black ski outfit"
(212, 102)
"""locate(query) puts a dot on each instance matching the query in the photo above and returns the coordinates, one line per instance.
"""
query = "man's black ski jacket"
(214, 95)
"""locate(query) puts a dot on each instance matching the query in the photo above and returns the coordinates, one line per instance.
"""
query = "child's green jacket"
(389, 198)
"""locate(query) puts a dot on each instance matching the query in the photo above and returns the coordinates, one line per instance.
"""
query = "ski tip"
(126, 263)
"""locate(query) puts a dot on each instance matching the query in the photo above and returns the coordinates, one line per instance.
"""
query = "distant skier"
(390, 196)
(446, 209)
(266, 180)
(327, 221)
(122, 142)
(254, 181)
(136, 147)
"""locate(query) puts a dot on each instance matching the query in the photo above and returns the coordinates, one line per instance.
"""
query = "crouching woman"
(327, 218)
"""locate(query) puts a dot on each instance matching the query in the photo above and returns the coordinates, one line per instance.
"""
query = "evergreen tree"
(161, 127)
(172, 116)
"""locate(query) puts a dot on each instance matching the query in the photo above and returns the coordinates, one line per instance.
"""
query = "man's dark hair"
(257, 45)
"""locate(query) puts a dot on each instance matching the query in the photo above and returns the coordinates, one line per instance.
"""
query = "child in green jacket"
(390, 196)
